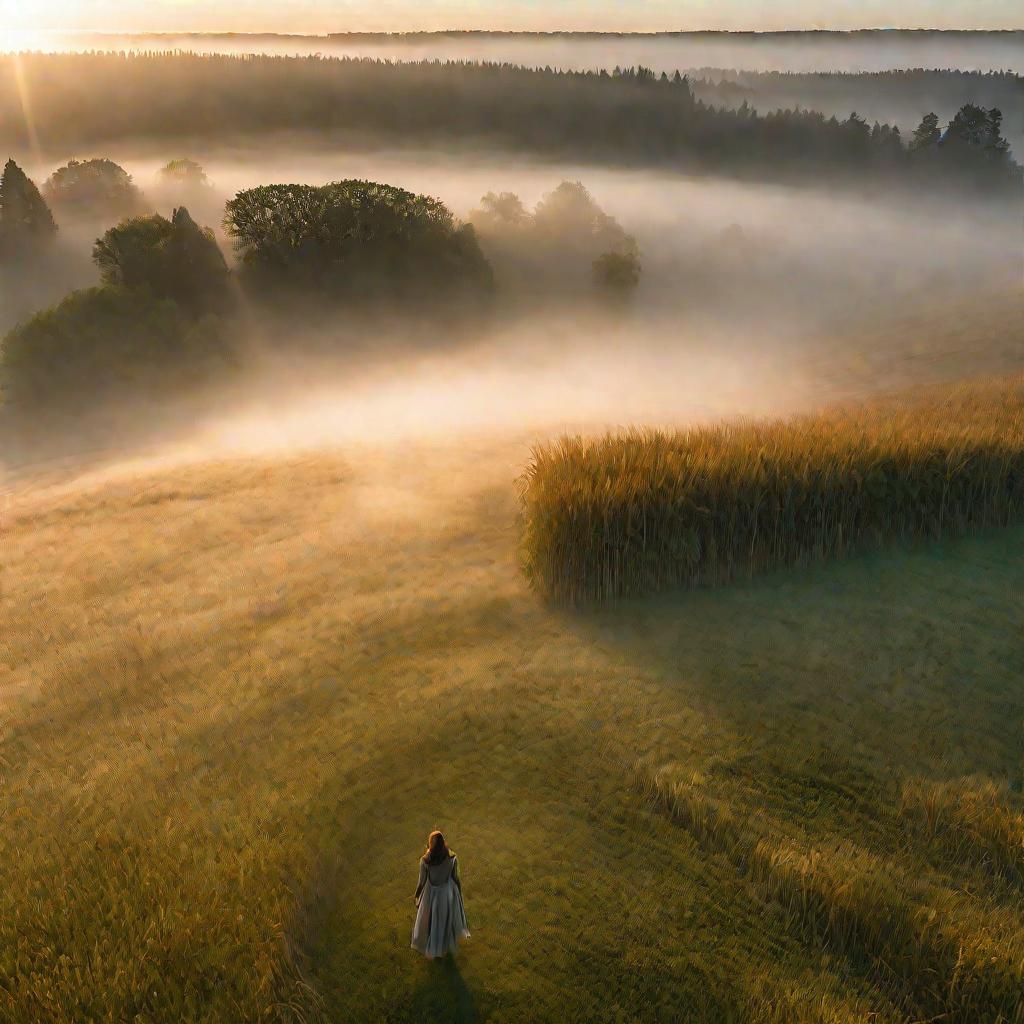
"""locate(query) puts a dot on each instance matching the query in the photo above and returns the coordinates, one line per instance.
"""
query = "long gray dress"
(440, 913)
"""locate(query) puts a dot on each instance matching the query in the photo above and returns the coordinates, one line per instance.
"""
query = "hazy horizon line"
(329, 33)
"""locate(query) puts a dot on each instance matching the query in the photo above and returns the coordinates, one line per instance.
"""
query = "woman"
(440, 915)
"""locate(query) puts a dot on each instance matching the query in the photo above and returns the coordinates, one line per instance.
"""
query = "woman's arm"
(455, 873)
(423, 880)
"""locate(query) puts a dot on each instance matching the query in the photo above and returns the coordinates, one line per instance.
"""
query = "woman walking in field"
(440, 913)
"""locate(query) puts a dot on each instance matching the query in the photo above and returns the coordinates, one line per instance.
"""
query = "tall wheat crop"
(640, 511)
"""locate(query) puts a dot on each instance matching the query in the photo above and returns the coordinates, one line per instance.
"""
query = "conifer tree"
(25, 219)
(926, 134)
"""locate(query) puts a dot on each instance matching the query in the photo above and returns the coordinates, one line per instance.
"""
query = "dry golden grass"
(973, 821)
(638, 512)
(936, 952)
(235, 696)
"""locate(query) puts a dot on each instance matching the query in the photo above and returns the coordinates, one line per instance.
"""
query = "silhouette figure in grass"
(440, 913)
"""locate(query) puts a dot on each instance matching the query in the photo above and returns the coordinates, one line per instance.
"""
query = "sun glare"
(20, 40)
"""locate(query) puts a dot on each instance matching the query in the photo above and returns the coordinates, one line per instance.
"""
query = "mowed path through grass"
(235, 696)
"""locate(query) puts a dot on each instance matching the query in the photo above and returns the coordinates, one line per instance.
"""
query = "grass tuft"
(971, 821)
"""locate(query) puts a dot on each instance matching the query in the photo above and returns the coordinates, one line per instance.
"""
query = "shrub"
(103, 342)
(174, 259)
(93, 188)
(354, 242)
(637, 512)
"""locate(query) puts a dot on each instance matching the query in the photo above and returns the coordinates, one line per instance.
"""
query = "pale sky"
(398, 15)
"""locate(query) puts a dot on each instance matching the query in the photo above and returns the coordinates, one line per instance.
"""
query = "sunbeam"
(21, 85)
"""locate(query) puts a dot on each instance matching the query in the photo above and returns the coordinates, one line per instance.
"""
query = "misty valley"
(607, 449)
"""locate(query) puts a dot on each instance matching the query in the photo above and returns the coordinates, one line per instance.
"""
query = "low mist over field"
(741, 283)
(744, 291)
(709, 247)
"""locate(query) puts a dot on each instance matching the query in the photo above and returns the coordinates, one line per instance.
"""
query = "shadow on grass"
(441, 994)
(821, 689)
(906, 658)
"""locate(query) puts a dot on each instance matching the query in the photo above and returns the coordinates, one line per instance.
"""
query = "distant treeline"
(896, 96)
(630, 116)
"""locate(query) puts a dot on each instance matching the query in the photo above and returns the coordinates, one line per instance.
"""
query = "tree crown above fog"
(566, 244)
(570, 212)
(185, 173)
(568, 215)
(93, 188)
(355, 240)
(175, 259)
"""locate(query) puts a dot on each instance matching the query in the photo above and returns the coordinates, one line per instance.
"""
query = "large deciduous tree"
(354, 241)
(174, 259)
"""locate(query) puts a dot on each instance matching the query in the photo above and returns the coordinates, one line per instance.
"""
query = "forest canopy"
(630, 116)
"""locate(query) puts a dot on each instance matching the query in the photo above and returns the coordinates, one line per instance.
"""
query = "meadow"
(236, 693)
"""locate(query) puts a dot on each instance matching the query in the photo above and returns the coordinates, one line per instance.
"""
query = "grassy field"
(235, 696)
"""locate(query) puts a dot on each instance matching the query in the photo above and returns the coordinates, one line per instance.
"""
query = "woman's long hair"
(437, 849)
